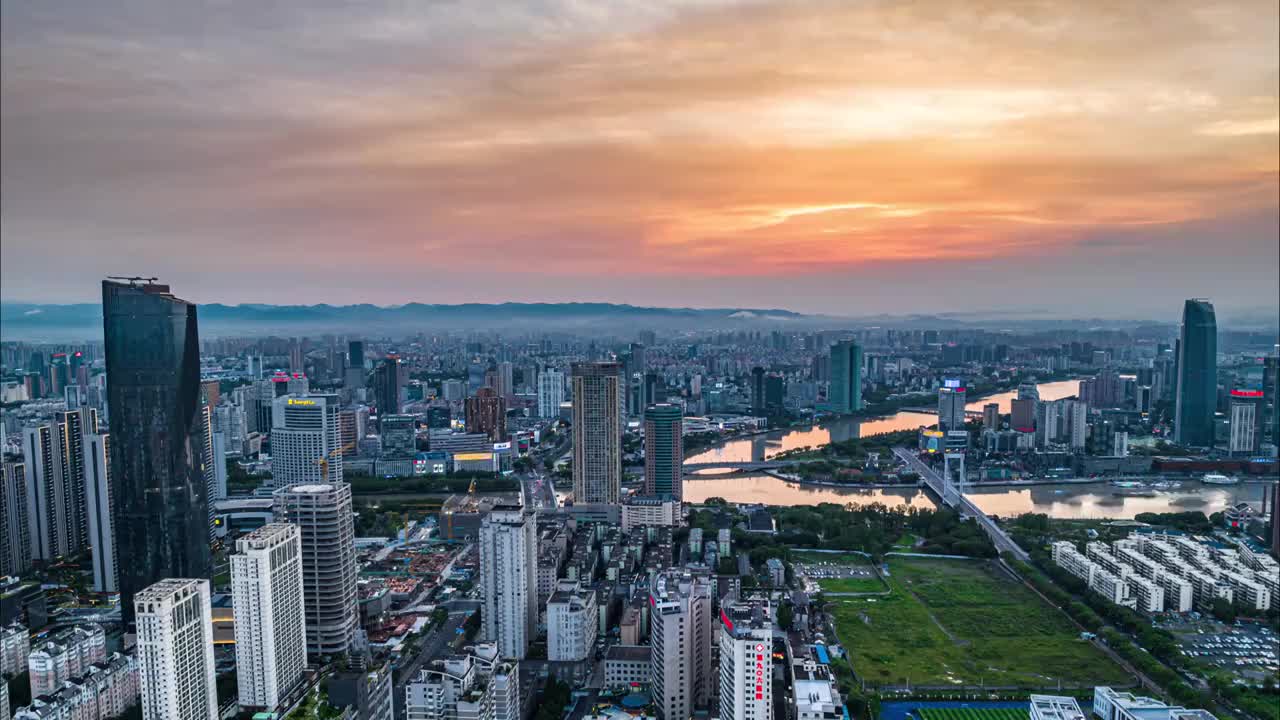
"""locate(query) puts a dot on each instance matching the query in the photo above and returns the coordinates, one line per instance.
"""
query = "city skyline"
(622, 151)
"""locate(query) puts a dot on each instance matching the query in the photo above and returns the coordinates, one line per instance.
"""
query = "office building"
(681, 636)
(664, 451)
(389, 380)
(486, 412)
(746, 661)
(550, 393)
(951, 401)
(1022, 414)
(64, 655)
(398, 437)
(572, 622)
(153, 395)
(322, 513)
(474, 686)
(597, 433)
(15, 535)
(98, 488)
(508, 576)
(844, 393)
(305, 440)
(267, 595)
(991, 416)
(175, 651)
(1197, 390)
(353, 374)
(1246, 408)
(757, 392)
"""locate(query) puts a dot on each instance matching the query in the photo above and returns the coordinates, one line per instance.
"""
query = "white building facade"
(175, 651)
(271, 634)
(508, 575)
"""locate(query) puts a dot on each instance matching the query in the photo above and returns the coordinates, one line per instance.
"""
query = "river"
(765, 445)
(1067, 501)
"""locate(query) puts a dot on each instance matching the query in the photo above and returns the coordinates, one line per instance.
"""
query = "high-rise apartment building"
(175, 650)
(15, 647)
(486, 412)
(267, 595)
(844, 393)
(64, 655)
(153, 395)
(991, 416)
(1197, 390)
(1246, 410)
(951, 401)
(305, 440)
(681, 637)
(508, 576)
(1022, 414)
(597, 433)
(54, 461)
(322, 512)
(15, 534)
(550, 393)
(98, 488)
(746, 661)
(664, 451)
(475, 686)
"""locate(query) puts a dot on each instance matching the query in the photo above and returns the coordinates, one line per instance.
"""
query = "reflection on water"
(1072, 501)
(763, 446)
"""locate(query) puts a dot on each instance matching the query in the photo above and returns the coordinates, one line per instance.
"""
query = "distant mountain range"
(27, 321)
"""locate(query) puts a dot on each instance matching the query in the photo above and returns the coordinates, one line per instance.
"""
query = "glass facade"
(1197, 393)
(844, 394)
(153, 395)
(663, 451)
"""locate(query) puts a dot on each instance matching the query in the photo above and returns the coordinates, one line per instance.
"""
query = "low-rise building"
(626, 666)
(1110, 704)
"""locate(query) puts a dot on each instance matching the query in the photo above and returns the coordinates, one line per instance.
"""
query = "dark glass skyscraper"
(1197, 393)
(844, 394)
(664, 451)
(153, 395)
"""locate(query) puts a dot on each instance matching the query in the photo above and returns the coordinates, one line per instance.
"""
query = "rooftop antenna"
(134, 280)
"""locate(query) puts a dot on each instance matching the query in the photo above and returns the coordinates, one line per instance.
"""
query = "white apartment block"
(508, 576)
(15, 646)
(175, 651)
(746, 661)
(322, 512)
(97, 500)
(267, 597)
(680, 636)
(572, 623)
(105, 691)
(550, 393)
(475, 686)
(304, 432)
(65, 655)
(1148, 596)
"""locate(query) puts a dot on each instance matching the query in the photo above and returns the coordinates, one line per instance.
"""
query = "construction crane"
(324, 461)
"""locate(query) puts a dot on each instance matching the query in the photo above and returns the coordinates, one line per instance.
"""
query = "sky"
(1072, 157)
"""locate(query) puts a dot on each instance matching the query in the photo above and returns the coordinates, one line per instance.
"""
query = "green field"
(851, 585)
(973, 714)
(804, 556)
(957, 623)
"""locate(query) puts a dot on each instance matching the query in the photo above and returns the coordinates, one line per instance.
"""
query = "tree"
(786, 617)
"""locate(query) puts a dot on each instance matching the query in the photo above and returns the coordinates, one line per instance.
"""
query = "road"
(433, 647)
(538, 491)
(1002, 541)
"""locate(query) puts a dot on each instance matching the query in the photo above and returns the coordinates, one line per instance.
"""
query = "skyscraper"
(98, 489)
(271, 636)
(322, 512)
(757, 392)
(681, 639)
(486, 412)
(508, 575)
(597, 433)
(991, 416)
(175, 651)
(550, 393)
(663, 451)
(15, 538)
(951, 401)
(844, 393)
(153, 395)
(388, 385)
(1246, 421)
(746, 661)
(304, 432)
(1197, 392)
(54, 455)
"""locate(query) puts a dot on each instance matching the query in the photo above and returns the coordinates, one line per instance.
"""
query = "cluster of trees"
(1192, 521)
(555, 698)
(485, 482)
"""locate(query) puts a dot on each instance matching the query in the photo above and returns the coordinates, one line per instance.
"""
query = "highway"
(432, 648)
(1002, 541)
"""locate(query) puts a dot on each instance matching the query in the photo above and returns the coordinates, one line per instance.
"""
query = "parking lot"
(1252, 651)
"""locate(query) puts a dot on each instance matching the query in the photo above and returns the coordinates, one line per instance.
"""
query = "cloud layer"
(834, 156)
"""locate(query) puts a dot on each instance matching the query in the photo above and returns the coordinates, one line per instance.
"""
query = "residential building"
(1246, 412)
(15, 647)
(161, 511)
(664, 451)
(572, 622)
(98, 488)
(746, 661)
(680, 639)
(508, 576)
(486, 412)
(64, 655)
(597, 433)
(550, 393)
(175, 651)
(15, 533)
(474, 686)
(105, 691)
(305, 440)
(270, 623)
(1197, 389)
(322, 513)
(53, 455)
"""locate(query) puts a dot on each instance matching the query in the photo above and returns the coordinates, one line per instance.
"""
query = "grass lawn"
(906, 543)
(851, 585)
(953, 622)
(973, 714)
